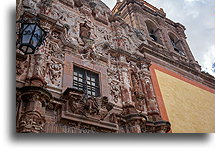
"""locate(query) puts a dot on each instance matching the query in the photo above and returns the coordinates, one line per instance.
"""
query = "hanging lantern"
(30, 35)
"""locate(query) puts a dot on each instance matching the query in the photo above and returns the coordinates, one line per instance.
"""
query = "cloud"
(198, 17)
(110, 3)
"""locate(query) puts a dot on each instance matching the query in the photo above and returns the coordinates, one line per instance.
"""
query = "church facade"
(129, 70)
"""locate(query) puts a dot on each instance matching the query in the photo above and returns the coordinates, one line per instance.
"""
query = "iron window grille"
(86, 81)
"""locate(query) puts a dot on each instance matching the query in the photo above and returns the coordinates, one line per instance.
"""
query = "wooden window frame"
(87, 81)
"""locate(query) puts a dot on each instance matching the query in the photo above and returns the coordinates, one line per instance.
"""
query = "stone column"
(34, 100)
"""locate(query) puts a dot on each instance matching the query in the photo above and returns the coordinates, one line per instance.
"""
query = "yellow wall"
(190, 109)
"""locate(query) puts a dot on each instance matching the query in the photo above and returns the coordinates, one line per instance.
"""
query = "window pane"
(93, 84)
(86, 80)
(80, 75)
(27, 32)
(80, 80)
(93, 79)
(89, 92)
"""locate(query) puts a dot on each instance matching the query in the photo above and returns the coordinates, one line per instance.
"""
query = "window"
(177, 49)
(153, 36)
(86, 81)
(176, 44)
(153, 31)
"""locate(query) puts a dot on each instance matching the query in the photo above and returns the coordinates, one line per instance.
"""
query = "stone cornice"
(188, 67)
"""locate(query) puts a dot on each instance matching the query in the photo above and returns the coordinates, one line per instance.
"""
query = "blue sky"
(197, 17)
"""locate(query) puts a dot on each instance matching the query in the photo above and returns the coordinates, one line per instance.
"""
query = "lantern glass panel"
(27, 33)
(36, 37)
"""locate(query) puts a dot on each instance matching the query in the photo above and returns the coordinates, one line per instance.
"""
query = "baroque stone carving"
(68, 2)
(94, 107)
(127, 38)
(78, 3)
(21, 68)
(94, 51)
(45, 6)
(54, 73)
(31, 122)
(40, 65)
(61, 14)
(99, 14)
(138, 94)
(53, 50)
(113, 77)
(125, 80)
(33, 101)
(85, 30)
(30, 4)
(152, 107)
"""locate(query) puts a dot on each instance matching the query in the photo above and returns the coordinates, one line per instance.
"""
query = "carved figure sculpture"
(85, 30)
(92, 106)
(54, 72)
(45, 6)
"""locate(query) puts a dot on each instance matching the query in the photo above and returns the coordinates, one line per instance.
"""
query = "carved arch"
(176, 43)
(153, 31)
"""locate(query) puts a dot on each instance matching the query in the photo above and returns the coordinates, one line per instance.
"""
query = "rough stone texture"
(117, 45)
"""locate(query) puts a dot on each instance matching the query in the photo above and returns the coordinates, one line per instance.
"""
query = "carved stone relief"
(45, 6)
(96, 41)
(31, 122)
(48, 63)
(151, 100)
(69, 3)
(78, 3)
(138, 94)
(54, 51)
(54, 73)
(125, 80)
(127, 38)
(21, 69)
(40, 65)
(93, 107)
(113, 81)
(38, 6)
(85, 32)
(31, 5)
(62, 15)
(99, 14)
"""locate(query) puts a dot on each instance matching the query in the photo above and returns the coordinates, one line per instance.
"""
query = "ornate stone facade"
(119, 46)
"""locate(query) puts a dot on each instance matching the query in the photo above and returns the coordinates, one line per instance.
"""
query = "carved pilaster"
(33, 103)
(132, 121)
(37, 78)
(125, 81)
